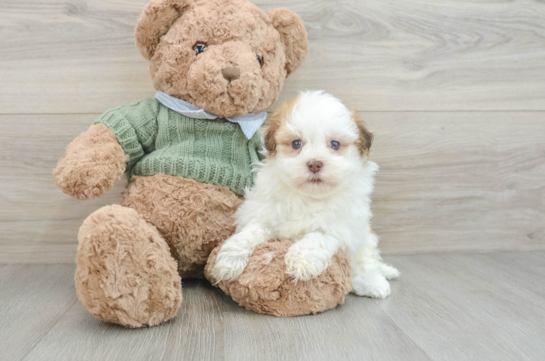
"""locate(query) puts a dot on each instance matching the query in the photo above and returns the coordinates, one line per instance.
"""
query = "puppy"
(313, 188)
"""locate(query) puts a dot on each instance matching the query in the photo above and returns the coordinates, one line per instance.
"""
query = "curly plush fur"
(192, 217)
(92, 163)
(265, 287)
(125, 273)
(235, 32)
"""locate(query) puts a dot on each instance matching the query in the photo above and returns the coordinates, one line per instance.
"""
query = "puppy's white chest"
(296, 221)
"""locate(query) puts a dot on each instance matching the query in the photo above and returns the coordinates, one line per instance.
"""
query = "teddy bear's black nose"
(231, 73)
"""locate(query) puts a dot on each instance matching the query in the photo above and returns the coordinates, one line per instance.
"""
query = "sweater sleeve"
(134, 126)
(256, 148)
(259, 146)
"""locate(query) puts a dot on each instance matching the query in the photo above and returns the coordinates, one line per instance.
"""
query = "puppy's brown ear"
(271, 128)
(276, 121)
(365, 138)
(154, 22)
(293, 34)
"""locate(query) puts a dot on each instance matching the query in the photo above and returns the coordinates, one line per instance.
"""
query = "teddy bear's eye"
(259, 59)
(199, 48)
(335, 145)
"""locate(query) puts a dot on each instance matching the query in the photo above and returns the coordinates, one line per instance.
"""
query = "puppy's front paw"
(305, 264)
(230, 263)
(229, 267)
(374, 286)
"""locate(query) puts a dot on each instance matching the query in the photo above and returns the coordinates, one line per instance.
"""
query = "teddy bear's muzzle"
(231, 73)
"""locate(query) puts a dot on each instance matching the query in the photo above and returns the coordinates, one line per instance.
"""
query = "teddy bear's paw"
(93, 162)
(371, 285)
(125, 273)
(230, 264)
(266, 288)
(303, 263)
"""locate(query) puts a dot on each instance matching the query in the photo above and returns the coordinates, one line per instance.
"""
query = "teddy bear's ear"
(293, 34)
(157, 17)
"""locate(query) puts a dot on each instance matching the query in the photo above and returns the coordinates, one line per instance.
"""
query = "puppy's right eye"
(199, 48)
(335, 145)
(296, 144)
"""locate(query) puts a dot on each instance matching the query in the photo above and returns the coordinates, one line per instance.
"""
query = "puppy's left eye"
(259, 60)
(335, 145)
(296, 144)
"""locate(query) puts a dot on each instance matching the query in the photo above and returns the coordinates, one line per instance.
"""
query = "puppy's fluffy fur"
(316, 195)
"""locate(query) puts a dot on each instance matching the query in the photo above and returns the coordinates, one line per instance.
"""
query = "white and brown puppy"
(314, 189)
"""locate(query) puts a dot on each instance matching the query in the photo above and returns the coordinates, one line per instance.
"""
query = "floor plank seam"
(24, 357)
(166, 340)
(415, 343)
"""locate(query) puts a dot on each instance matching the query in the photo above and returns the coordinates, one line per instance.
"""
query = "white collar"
(249, 123)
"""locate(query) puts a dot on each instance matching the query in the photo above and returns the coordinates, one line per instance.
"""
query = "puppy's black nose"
(314, 166)
(231, 73)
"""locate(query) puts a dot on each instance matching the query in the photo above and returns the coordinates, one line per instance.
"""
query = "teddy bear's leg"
(192, 217)
(125, 273)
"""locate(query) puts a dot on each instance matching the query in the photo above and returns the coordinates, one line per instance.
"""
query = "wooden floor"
(444, 307)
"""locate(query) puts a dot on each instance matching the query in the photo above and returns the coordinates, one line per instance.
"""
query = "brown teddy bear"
(188, 153)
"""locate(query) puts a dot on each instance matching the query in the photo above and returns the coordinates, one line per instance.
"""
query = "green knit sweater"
(159, 140)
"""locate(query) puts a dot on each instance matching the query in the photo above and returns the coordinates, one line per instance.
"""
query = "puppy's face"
(316, 144)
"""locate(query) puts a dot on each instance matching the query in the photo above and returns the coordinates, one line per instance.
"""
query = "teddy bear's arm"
(92, 163)
(135, 127)
(96, 159)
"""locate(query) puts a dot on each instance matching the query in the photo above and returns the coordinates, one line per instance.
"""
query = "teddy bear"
(188, 153)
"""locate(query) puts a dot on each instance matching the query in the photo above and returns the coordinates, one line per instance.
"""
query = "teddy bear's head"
(225, 56)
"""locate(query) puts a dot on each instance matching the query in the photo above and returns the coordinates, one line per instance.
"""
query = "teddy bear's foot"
(125, 273)
(265, 287)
